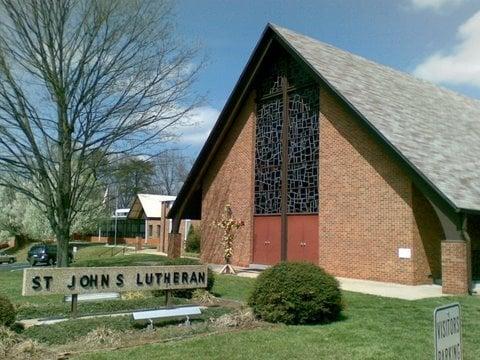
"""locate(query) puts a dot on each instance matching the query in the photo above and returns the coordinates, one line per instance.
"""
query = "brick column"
(456, 272)
(138, 243)
(163, 245)
(174, 245)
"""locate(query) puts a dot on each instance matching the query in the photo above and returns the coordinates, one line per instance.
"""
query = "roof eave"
(469, 211)
(238, 94)
(437, 196)
(192, 182)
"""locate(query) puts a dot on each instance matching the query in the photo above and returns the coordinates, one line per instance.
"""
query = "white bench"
(167, 314)
(94, 297)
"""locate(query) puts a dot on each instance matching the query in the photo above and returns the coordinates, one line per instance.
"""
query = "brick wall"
(365, 204)
(155, 235)
(131, 241)
(427, 237)
(369, 207)
(455, 267)
(229, 180)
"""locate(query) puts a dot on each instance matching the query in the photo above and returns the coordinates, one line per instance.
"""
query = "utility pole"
(116, 219)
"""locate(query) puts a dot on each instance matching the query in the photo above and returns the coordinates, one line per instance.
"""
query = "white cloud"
(202, 120)
(434, 4)
(460, 65)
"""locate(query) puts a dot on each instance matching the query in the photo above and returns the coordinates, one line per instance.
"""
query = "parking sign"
(448, 332)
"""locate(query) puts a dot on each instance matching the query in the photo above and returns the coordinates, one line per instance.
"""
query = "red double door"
(302, 239)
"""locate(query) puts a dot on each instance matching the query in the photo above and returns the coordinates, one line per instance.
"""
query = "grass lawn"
(122, 260)
(38, 306)
(98, 252)
(53, 306)
(66, 333)
(192, 254)
(233, 287)
(372, 328)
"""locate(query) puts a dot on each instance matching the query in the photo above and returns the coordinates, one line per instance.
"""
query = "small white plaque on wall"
(404, 253)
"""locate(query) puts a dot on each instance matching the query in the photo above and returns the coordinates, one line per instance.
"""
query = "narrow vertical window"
(301, 96)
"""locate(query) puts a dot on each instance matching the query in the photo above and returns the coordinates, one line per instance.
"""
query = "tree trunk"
(63, 240)
(64, 185)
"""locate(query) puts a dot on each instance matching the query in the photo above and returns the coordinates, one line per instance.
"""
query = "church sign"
(89, 280)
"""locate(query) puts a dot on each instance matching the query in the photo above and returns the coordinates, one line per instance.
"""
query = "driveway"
(14, 266)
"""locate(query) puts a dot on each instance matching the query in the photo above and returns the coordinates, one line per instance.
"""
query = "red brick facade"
(369, 207)
(158, 235)
(455, 270)
(229, 180)
(364, 201)
(427, 236)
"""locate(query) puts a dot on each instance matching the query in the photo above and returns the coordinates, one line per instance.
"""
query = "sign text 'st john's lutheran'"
(119, 279)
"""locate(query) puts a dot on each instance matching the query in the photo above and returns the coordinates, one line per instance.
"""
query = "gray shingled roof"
(435, 129)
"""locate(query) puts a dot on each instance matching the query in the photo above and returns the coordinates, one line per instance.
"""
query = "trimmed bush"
(193, 240)
(7, 312)
(296, 293)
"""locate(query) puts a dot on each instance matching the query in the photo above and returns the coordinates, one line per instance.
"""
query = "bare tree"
(80, 83)
(171, 170)
(130, 177)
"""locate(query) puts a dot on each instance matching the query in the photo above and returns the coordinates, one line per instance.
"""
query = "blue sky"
(438, 40)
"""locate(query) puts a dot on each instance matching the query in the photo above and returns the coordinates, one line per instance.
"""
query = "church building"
(330, 158)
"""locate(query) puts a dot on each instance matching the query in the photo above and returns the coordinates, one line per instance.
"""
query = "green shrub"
(193, 240)
(7, 311)
(296, 293)
(187, 293)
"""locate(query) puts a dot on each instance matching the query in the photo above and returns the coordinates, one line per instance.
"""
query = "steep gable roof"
(148, 204)
(436, 132)
(435, 129)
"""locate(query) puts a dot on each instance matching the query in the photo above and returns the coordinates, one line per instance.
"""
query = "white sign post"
(447, 327)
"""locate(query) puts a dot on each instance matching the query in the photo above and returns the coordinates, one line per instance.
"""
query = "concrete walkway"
(391, 290)
(398, 291)
(147, 251)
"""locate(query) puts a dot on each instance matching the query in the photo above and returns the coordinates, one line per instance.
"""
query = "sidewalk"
(398, 291)
(147, 251)
(391, 290)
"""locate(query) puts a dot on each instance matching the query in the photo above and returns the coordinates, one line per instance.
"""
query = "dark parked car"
(5, 258)
(46, 254)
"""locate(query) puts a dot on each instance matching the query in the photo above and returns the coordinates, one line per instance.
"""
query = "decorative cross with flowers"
(229, 226)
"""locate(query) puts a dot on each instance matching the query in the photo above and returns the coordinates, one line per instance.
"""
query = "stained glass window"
(268, 155)
(303, 139)
(303, 147)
